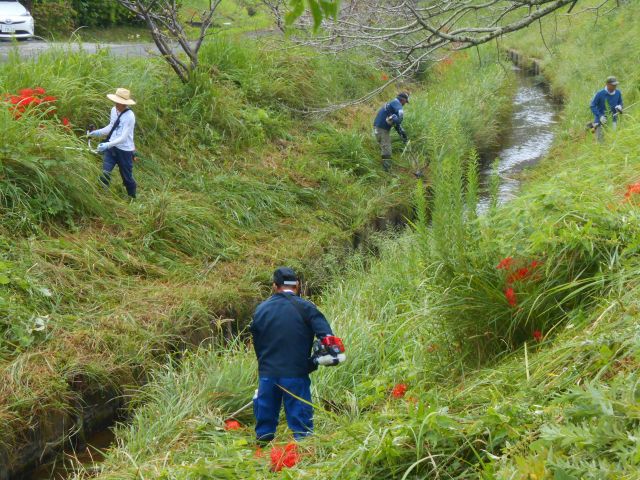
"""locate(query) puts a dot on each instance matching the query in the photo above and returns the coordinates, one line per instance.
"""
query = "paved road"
(33, 48)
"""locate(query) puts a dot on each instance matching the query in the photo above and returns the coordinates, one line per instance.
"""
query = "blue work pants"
(114, 156)
(269, 399)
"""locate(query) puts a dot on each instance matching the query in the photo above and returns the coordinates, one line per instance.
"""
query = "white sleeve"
(105, 131)
(126, 126)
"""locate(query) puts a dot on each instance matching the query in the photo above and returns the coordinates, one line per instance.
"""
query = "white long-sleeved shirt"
(122, 136)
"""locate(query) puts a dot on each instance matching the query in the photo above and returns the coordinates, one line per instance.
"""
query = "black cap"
(284, 276)
(404, 95)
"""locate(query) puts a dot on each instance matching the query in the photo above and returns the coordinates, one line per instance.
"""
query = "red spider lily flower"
(66, 122)
(232, 425)
(510, 295)
(505, 263)
(15, 99)
(535, 264)
(26, 92)
(537, 335)
(632, 189)
(518, 275)
(258, 453)
(384, 77)
(399, 390)
(30, 100)
(284, 457)
(39, 91)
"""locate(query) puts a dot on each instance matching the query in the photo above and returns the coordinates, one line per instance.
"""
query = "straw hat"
(122, 96)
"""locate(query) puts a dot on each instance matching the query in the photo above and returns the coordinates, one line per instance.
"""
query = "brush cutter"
(328, 352)
(88, 148)
(239, 411)
(418, 172)
(616, 116)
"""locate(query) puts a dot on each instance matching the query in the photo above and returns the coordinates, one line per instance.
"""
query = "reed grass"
(487, 396)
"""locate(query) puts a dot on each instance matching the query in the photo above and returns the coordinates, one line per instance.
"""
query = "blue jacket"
(394, 110)
(598, 104)
(283, 339)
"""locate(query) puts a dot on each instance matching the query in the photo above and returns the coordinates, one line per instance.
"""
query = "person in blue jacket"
(608, 95)
(283, 330)
(390, 115)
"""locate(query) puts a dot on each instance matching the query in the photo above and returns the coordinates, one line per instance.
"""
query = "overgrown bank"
(515, 334)
(95, 291)
(188, 400)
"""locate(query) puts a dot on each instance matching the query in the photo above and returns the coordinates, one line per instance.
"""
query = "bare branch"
(399, 31)
(163, 20)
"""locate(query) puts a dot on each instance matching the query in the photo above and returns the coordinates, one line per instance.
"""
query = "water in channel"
(66, 466)
(528, 140)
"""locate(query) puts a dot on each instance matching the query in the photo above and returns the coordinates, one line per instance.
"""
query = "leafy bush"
(101, 13)
(54, 17)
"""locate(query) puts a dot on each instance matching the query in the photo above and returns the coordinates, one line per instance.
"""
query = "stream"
(527, 141)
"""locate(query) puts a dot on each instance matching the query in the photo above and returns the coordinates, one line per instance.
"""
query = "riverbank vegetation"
(96, 291)
(504, 346)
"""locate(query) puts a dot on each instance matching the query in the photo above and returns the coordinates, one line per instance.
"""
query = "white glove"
(619, 108)
(93, 133)
(102, 147)
(603, 120)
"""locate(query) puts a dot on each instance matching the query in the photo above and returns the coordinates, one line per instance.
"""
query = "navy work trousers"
(114, 156)
(272, 393)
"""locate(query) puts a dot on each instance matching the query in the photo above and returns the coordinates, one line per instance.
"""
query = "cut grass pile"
(537, 382)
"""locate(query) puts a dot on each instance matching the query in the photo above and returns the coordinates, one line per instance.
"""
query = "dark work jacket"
(282, 338)
(395, 110)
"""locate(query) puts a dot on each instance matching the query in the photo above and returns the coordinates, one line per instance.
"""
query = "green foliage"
(486, 397)
(102, 289)
(54, 17)
(58, 17)
(102, 13)
(22, 308)
(320, 9)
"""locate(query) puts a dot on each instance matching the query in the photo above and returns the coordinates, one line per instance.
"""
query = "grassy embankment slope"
(176, 431)
(537, 382)
(94, 290)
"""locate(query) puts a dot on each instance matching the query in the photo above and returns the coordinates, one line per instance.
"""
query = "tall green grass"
(377, 312)
(488, 397)
(93, 287)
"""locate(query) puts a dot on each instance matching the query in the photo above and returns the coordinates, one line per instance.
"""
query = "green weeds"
(538, 383)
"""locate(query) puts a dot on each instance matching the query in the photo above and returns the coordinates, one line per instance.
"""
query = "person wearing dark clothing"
(283, 330)
(390, 115)
(608, 95)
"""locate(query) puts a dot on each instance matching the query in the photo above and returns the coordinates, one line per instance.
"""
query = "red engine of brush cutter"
(329, 351)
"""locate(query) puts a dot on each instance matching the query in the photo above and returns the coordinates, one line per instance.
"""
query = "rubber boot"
(386, 164)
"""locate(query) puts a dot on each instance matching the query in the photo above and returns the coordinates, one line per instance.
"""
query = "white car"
(15, 20)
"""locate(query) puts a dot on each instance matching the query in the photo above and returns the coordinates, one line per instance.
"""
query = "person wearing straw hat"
(608, 95)
(118, 147)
